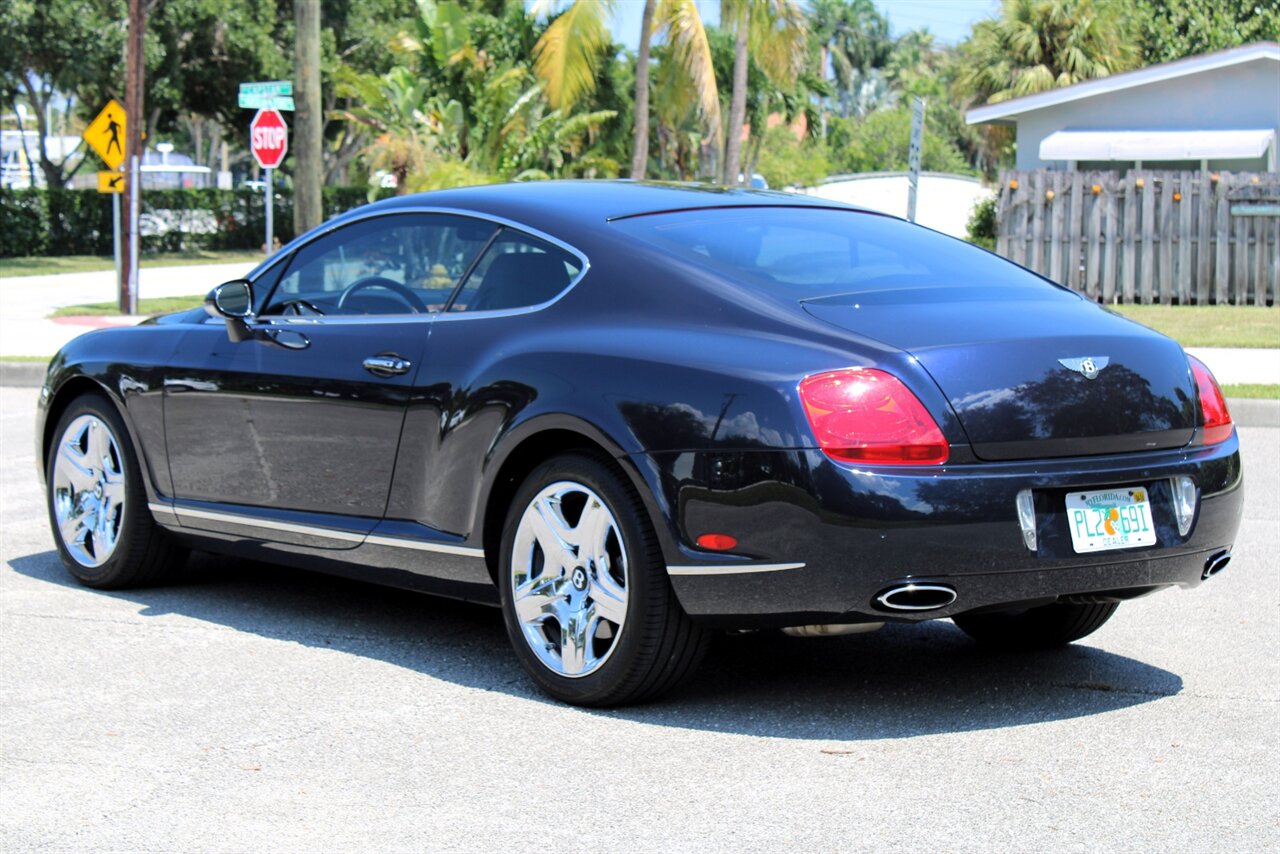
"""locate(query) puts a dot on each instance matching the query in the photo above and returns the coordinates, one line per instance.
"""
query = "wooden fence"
(1147, 236)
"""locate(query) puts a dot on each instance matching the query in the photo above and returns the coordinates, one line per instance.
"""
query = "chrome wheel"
(569, 579)
(88, 490)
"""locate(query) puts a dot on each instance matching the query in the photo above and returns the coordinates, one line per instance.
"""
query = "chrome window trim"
(731, 569)
(360, 319)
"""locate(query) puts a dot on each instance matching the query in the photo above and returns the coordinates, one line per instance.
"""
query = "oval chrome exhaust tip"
(1215, 564)
(916, 597)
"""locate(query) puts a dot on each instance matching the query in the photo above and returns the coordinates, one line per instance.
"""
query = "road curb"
(1253, 412)
(22, 374)
(1247, 412)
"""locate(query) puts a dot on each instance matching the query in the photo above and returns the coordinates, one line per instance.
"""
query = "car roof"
(588, 203)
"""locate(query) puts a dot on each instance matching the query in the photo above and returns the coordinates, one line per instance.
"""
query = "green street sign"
(266, 102)
(270, 87)
(267, 95)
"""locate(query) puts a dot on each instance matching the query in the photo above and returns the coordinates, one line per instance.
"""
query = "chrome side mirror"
(231, 299)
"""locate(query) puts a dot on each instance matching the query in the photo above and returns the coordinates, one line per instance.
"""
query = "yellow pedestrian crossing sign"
(106, 136)
(110, 182)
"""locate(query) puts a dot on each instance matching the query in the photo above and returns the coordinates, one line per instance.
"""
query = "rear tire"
(585, 594)
(97, 502)
(1036, 628)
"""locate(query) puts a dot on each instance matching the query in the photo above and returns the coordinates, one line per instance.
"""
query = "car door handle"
(387, 366)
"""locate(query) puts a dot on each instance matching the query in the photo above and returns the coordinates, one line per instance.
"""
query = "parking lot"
(251, 707)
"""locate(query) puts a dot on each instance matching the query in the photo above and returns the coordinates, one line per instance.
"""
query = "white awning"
(1156, 144)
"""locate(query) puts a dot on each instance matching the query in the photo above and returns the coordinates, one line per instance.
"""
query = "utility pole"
(308, 122)
(133, 107)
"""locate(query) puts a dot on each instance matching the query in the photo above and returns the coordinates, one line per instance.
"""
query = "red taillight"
(868, 416)
(1217, 420)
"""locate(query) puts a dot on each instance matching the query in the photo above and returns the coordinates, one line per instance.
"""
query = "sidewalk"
(27, 330)
(27, 301)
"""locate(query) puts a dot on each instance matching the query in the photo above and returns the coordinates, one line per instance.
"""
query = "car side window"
(517, 271)
(389, 265)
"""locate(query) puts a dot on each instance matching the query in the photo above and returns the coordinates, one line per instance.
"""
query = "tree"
(1036, 45)
(54, 49)
(198, 52)
(852, 38)
(640, 140)
(879, 143)
(460, 107)
(1172, 30)
(570, 57)
(308, 124)
(776, 33)
(570, 52)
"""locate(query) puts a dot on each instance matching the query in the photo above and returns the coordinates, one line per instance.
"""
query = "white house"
(1214, 111)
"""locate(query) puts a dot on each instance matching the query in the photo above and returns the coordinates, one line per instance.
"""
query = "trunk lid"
(1033, 372)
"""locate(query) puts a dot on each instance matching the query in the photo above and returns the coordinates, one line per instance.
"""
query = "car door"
(294, 434)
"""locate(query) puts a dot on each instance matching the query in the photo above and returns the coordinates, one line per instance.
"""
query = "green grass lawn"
(1210, 325)
(90, 263)
(1256, 390)
(155, 305)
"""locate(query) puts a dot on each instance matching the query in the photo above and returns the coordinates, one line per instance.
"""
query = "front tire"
(1036, 628)
(584, 588)
(97, 502)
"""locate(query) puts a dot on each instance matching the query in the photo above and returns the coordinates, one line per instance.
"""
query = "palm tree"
(640, 140)
(569, 53)
(775, 31)
(1036, 45)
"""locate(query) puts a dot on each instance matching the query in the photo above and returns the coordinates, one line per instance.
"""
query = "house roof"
(1127, 80)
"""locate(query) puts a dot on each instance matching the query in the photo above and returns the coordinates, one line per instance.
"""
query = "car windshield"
(809, 253)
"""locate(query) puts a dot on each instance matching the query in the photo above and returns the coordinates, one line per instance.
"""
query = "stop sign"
(268, 138)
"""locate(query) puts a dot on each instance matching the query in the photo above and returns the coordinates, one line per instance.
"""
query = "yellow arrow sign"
(110, 182)
(106, 135)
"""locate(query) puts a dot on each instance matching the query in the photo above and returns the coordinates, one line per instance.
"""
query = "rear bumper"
(819, 541)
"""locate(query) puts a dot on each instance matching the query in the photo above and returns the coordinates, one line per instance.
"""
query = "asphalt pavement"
(256, 708)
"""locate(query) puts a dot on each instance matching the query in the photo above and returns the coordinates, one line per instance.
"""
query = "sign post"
(113, 182)
(269, 142)
(106, 135)
(913, 156)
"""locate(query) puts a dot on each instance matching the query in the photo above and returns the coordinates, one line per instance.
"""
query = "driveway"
(257, 708)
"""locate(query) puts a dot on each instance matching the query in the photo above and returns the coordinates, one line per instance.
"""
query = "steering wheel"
(408, 297)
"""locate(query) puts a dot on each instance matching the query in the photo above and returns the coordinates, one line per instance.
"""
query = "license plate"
(1110, 519)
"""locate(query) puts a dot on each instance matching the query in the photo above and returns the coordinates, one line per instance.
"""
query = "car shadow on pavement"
(898, 682)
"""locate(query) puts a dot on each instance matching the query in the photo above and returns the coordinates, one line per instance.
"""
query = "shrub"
(879, 143)
(24, 223)
(981, 228)
(785, 160)
(78, 222)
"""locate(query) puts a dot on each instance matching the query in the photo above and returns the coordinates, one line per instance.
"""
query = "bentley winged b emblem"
(1087, 365)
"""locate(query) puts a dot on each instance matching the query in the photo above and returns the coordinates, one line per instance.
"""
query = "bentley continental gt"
(631, 415)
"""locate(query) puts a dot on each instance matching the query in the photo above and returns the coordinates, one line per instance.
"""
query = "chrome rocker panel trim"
(722, 569)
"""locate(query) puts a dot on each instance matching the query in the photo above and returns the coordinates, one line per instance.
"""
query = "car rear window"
(808, 253)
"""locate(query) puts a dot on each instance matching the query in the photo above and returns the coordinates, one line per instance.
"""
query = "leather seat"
(520, 279)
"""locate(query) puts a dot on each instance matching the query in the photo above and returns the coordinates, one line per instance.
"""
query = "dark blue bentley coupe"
(633, 414)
